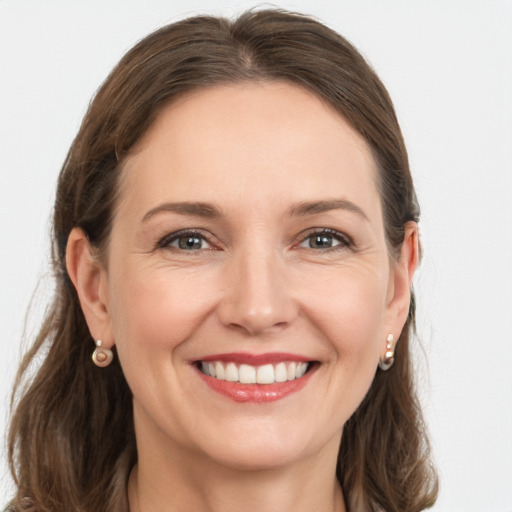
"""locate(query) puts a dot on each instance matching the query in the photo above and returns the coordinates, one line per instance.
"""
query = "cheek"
(350, 313)
(156, 311)
(349, 308)
(350, 318)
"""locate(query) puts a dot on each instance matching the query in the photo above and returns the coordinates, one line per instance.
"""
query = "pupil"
(320, 241)
(190, 242)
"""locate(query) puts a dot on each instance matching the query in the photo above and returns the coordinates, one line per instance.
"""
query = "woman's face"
(248, 242)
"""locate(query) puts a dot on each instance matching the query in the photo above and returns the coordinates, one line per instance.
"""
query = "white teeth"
(291, 371)
(231, 373)
(248, 374)
(219, 370)
(280, 373)
(265, 374)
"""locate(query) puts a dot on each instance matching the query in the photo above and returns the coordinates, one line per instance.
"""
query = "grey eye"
(185, 241)
(189, 242)
(323, 240)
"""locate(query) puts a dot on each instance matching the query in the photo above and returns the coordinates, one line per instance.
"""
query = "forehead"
(270, 140)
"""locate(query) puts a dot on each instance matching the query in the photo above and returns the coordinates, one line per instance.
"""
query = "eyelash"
(345, 242)
(166, 241)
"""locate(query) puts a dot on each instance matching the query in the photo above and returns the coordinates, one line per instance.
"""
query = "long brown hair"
(71, 440)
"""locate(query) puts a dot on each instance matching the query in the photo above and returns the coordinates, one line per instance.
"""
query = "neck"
(258, 492)
(179, 481)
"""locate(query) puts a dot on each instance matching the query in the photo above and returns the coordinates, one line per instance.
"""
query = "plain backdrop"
(448, 67)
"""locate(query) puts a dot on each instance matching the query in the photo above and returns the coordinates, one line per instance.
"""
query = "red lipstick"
(257, 393)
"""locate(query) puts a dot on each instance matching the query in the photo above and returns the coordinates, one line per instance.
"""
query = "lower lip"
(259, 393)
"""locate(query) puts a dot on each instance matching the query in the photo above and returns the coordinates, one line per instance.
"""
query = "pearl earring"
(102, 356)
(387, 361)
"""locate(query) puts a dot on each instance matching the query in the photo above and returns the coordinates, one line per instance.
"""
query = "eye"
(325, 239)
(186, 241)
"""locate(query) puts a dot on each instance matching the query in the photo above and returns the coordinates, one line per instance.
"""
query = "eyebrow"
(316, 207)
(208, 211)
(195, 209)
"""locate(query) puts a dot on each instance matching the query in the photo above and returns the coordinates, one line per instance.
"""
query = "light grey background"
(448, 67)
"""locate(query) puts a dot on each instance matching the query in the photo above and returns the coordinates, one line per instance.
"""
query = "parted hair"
(71, 439)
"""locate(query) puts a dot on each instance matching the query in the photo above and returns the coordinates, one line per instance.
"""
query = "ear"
(89, 277)
(400, 282)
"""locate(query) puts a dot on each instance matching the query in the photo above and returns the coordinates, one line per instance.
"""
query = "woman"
(235, 236)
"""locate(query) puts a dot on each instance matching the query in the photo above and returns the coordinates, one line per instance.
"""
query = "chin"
(261, 447)
(261, 458)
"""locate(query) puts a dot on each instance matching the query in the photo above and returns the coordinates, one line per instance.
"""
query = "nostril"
(256, 325)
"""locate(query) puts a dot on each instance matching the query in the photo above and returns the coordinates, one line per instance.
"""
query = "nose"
(257, 298)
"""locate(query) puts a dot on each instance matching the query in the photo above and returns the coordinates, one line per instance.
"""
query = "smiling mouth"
(249, 374)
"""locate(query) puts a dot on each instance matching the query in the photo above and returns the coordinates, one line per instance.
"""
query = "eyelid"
(164, 242)
(345, 240)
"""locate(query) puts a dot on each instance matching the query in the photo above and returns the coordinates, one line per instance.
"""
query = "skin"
(256, 153)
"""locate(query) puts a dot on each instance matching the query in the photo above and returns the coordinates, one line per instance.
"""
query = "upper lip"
(255, 359)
